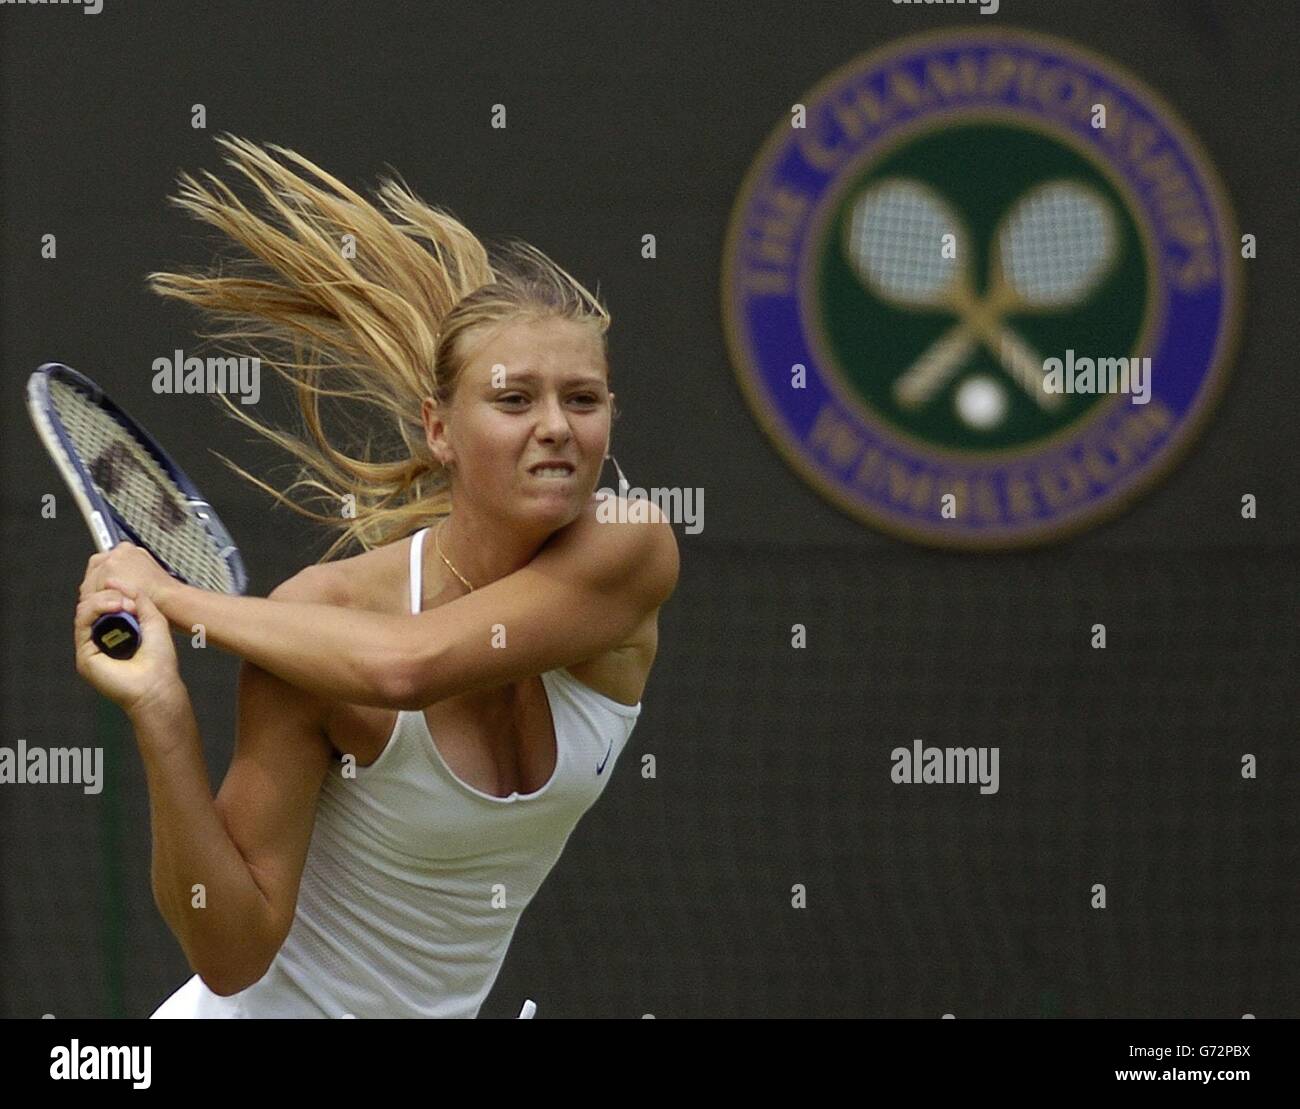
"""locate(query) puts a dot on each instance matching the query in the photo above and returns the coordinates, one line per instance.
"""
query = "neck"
(483, 550)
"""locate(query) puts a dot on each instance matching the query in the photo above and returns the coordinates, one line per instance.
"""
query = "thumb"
(148, 613)
(155, 630)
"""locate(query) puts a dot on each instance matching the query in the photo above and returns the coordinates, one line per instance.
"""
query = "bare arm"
(246, 848)
(583, 594)
(324, 650)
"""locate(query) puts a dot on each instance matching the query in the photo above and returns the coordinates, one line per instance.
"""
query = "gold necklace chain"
(437, 532)
(437, 546)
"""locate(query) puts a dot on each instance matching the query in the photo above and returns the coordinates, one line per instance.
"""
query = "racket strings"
(1055, 243)
(140, 491)
(895, 237)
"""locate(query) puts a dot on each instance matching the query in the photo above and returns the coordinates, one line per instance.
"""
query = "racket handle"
(117, 634)
(934, 368)
(1026, 366)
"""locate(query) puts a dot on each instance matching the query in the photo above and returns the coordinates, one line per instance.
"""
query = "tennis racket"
(128, 488)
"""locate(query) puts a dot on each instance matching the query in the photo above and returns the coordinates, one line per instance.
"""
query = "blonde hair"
(384, 328)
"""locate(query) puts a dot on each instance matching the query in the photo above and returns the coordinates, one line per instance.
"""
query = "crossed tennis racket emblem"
(1051, 250)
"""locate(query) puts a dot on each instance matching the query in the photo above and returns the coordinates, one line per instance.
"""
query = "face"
(533, 393)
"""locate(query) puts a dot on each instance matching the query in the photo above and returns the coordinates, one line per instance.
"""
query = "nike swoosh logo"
(600, 769)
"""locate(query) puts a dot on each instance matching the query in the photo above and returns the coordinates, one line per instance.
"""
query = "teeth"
(551, 471)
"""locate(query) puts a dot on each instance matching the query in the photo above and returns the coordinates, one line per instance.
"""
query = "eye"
(587, 398)
(510, 398)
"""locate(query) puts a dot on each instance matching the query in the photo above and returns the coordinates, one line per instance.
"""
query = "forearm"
(334, 653)
(223, 927)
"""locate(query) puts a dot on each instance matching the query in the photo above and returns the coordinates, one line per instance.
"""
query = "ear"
(435, 432)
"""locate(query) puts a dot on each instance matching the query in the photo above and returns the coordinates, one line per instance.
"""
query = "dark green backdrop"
(673, 896)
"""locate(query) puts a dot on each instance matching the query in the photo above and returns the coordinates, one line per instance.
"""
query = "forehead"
(540, 346)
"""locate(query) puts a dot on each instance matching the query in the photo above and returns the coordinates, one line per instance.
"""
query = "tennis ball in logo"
(982, 402)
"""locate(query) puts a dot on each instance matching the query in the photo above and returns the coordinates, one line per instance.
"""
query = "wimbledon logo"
(981, 291)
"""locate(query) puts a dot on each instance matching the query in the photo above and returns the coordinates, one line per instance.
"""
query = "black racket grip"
(117, 634)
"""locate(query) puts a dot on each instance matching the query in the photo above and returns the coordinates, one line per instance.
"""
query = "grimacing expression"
(528, 426)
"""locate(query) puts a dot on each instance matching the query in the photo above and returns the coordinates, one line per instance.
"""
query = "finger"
(130, 602)
(97, 604)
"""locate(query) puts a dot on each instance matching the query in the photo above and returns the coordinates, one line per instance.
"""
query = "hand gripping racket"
(128, 488)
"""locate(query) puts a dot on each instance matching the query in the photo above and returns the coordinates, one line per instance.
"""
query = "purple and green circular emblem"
(943, 219)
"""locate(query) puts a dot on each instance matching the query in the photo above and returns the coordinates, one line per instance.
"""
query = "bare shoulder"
(625, 546)
(355, 582)
(619, 543)
(318, 584)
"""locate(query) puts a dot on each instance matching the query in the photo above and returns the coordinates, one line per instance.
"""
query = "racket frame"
(107, 527)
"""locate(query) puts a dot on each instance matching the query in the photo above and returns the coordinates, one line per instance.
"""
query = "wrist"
(167, 595)
(163, 701)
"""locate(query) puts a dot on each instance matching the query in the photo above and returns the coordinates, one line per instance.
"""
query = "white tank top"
(414, 881)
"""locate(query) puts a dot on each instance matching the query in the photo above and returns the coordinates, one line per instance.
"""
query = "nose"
(552, 422)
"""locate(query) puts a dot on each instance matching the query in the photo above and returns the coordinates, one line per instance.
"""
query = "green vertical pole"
(110, 734)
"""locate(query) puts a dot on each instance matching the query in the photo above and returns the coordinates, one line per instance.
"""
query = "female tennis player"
(420, 726)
